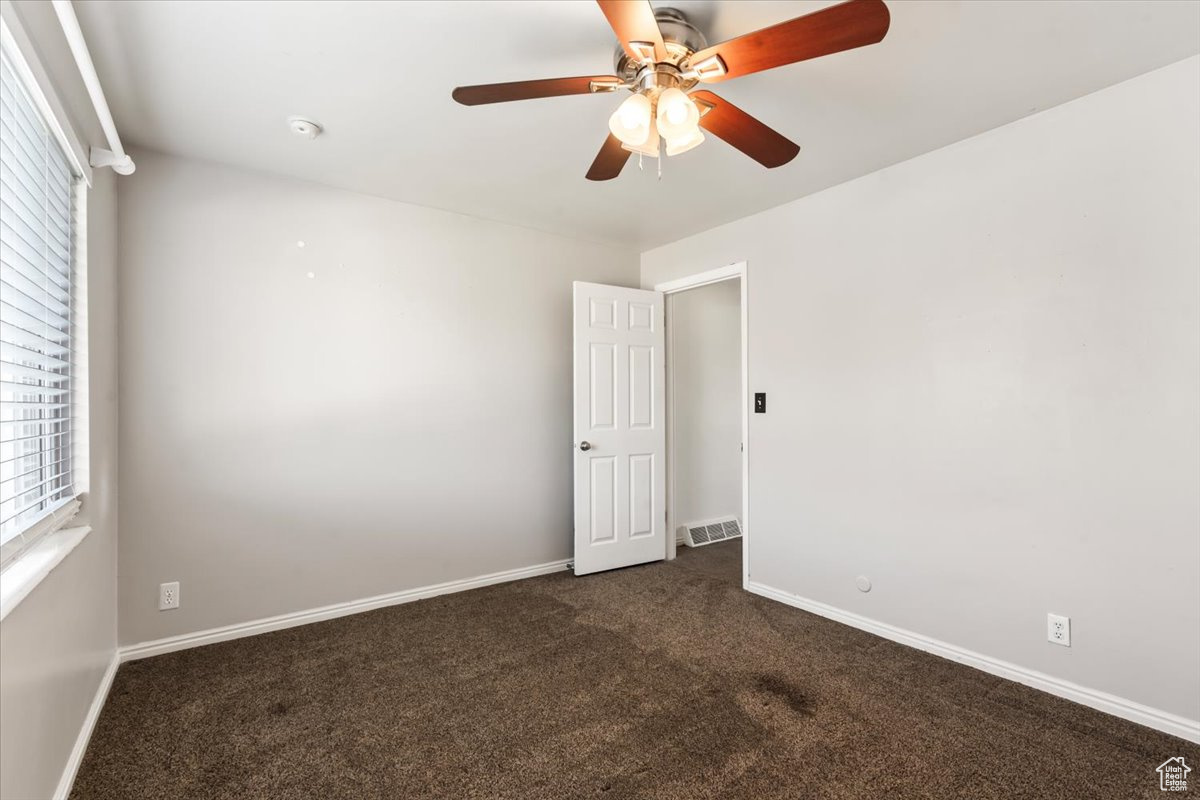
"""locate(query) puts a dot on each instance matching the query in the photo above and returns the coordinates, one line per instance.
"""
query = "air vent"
(697, 534)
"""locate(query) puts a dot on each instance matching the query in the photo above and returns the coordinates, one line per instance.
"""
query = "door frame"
(736, 271)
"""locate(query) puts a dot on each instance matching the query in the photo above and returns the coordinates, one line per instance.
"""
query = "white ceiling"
(217, 81)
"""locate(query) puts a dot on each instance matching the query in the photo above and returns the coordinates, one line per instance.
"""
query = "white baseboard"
(85, 732)
(1102, 701)
(254, 627)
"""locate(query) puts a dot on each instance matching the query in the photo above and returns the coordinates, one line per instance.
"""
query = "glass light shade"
(646, 148)
(631, 121)
(677, 115)
(682, 144)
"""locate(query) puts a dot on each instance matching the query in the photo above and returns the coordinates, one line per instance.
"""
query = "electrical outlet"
(168, 595)
(1058, 630)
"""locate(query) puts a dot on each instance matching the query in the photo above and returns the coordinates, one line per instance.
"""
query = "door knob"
(585, 446)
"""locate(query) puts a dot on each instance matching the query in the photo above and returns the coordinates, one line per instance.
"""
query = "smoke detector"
(304, 128)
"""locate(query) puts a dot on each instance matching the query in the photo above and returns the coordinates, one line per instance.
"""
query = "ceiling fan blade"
(529, 90)
(848, 25)
(609, 161)
(633, 21)
(726, 121)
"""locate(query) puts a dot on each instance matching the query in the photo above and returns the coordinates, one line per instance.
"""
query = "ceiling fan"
(662, 58)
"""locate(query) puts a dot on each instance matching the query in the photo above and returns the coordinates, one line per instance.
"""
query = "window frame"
(41, 533)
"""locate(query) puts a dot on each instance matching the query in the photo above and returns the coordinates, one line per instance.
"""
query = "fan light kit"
(662, 58)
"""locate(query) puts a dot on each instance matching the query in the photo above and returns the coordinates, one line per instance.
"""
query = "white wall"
(983, 369)
(706, 401)
(57, 644)
(399, 420)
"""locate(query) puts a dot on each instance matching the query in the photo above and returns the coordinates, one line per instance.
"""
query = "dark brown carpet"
(662, 681)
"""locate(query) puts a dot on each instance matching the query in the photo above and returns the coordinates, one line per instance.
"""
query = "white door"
(620, 441)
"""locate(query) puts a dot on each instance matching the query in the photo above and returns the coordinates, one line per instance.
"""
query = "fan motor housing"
(681, 37)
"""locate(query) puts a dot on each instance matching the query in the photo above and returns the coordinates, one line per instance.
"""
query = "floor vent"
(698, 534)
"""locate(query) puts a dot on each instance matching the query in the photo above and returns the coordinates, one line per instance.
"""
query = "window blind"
(36, 243)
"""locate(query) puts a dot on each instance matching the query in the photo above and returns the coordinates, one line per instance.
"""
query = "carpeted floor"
(661, 681)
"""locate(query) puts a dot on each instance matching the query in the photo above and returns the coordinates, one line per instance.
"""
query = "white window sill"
(28, 569)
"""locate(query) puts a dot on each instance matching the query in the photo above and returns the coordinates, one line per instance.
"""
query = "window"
(38, 191)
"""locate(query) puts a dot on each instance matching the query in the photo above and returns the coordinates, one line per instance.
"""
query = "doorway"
(707, 408)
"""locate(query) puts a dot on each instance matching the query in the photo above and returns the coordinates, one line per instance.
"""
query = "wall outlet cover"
(168, 595)
(1058, 629)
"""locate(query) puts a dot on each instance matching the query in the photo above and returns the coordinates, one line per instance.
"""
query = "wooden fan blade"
(831, 30)
(633, 21)
(726, 121)
(527, 90)
(609, 161)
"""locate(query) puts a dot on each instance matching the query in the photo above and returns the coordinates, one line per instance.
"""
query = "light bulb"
(677, 114)
(631, 121)
(682, 144)
(632, 113)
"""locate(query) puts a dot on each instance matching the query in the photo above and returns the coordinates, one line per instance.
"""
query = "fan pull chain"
(660, 158)
(640, 167)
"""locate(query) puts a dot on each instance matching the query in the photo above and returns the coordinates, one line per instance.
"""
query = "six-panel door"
(619, 433)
